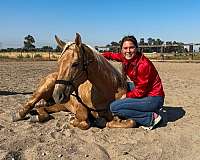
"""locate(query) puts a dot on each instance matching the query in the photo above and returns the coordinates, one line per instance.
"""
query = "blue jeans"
(139, 109)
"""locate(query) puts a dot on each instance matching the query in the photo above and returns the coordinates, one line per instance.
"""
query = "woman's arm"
(112, 56)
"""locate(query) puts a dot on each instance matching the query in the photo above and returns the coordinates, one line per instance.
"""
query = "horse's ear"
(60, 43)
(78, 41)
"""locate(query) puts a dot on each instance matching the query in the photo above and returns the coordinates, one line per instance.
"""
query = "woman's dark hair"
(129, 38)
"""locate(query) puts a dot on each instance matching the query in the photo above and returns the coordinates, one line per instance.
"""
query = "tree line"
(151, 45)
(29, 46)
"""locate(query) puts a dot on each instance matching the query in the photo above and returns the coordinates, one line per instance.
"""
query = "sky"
(98, 21)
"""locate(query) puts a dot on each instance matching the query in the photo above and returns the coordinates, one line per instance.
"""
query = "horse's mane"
(109, 71)
(65, 47)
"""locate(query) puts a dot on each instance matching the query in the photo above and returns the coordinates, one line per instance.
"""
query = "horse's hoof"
(100, 122)
(34, 118)
(74, 122)
(84, 125)
(15, 116)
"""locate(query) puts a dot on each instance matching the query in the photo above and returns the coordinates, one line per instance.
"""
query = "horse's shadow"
(7, 93)
(171, 114)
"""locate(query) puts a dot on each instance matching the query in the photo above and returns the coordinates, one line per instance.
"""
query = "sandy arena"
(177, 138)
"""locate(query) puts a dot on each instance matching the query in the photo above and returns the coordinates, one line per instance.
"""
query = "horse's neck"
(104, 76)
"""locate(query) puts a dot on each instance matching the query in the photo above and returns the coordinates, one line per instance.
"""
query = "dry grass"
(30, 55)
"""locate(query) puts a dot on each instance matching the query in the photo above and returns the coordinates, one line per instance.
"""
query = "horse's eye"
(75, 64)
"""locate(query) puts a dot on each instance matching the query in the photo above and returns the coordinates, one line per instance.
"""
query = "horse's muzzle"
(61, 94)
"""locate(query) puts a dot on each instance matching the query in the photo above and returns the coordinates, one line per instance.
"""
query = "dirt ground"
(176, 138)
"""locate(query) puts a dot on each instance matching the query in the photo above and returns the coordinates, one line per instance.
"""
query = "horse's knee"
(42, 115)
(84, 125)
(45, 89)
(80, 124)
(81, 113)
(24, 110)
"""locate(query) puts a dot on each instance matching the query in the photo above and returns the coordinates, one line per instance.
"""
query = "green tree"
(114, 44)
(150, 41)
(169, 43)
(46, 49)
(141, 41)
(180, 47)
(29, 43)
(158, 42)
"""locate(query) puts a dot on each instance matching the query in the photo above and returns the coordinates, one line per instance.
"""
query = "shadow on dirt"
(171, 114)
(7, 93)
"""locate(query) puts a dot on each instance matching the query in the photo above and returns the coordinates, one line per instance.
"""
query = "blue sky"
(98, 21)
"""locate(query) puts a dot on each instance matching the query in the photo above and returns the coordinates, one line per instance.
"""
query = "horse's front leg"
(81, 117)
(44, 91)
(43, 112)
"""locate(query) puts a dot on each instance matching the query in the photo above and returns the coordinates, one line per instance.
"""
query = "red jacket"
(142, 72)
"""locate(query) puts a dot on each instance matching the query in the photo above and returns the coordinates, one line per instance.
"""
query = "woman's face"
(129, 50)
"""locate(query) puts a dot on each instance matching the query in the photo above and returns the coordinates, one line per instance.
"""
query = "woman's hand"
(123, 96)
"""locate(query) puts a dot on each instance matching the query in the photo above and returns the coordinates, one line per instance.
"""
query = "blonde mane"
(65, 47)
(103, 65)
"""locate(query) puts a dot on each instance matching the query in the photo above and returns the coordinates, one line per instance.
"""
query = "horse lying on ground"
(84, 84)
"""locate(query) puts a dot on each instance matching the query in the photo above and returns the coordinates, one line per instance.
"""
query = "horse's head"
(72, 69)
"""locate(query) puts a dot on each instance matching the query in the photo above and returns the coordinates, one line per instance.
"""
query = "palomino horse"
(85, 84)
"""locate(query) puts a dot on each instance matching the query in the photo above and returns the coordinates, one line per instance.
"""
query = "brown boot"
(128, 123)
